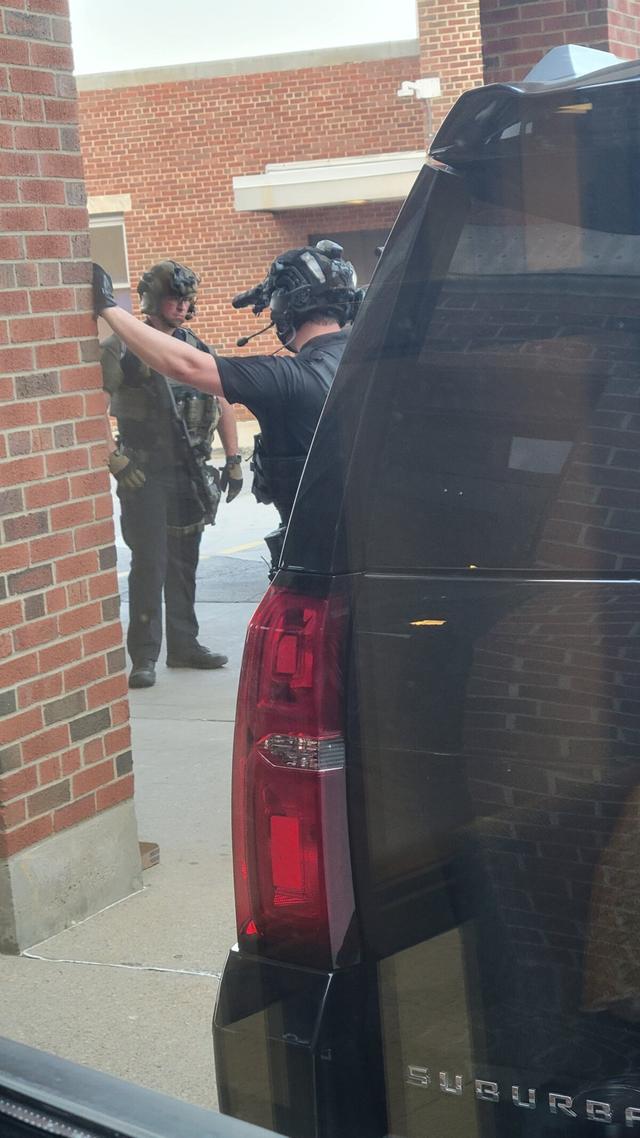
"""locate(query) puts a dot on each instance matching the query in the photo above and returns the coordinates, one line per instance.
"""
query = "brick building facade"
(172, 140)
(177, 166)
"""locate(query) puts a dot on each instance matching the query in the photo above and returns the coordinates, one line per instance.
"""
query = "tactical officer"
(167, 489)
(312, 295)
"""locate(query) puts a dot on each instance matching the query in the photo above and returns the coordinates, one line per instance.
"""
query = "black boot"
(143, 674)
(196, 656)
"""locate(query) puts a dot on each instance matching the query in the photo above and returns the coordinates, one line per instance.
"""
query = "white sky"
(123, 34)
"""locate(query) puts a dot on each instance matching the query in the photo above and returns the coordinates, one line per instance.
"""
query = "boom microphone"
(245, 339)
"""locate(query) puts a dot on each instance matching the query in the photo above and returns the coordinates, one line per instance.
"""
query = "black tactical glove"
(231, 476)
(124, 470)
(102, 291)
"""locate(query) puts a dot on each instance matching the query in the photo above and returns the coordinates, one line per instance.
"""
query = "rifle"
(205, 479)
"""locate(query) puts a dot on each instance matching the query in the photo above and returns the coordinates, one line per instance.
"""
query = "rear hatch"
(478, 469)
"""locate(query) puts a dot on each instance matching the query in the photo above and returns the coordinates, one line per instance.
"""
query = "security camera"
(406, 90)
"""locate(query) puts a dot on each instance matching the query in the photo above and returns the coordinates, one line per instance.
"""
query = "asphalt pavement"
(131, 990)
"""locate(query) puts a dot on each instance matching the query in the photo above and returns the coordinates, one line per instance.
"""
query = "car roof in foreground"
(481, 109)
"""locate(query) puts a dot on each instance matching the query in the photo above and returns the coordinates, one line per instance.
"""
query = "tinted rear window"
(512, 431)
(487, 410)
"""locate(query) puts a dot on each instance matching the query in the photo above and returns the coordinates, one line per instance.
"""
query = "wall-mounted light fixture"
(425, 89)
(420, 88)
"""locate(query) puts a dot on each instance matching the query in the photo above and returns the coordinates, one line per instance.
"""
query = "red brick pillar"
(450, 48)
(624, 28)
(516, 35)
(68, 842)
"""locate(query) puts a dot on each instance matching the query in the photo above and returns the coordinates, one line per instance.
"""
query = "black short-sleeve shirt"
(286, 394)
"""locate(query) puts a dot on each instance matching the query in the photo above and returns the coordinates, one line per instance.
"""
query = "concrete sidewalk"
(131, 991)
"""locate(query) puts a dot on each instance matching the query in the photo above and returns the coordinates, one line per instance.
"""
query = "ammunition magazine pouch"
(200, 414)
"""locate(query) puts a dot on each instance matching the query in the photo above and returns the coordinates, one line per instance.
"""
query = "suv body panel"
(474, 482)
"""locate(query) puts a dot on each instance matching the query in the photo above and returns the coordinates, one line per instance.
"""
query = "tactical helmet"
(167, 278)
(303, 282)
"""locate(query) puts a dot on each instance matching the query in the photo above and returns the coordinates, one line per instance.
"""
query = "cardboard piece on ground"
(149, 854)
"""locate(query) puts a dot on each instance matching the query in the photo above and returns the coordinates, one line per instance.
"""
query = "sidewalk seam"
(131, 967)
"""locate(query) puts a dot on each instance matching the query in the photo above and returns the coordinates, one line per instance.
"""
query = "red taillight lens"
(293, 885)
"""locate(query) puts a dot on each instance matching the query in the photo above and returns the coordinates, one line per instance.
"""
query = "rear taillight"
(293, 885)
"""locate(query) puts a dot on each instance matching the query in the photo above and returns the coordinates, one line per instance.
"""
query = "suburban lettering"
(445, 1085)
(487, 1091)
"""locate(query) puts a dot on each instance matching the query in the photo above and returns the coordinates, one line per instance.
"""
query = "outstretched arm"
(166, 354)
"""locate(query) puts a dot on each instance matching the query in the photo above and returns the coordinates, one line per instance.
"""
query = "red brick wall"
(624, 28)
(516, 35)
(175, 148)
(64, 731)
(451, 48)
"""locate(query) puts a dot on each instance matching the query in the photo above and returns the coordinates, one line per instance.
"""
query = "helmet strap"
(286, 334)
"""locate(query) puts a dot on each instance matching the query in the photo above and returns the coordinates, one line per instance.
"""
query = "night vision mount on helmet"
(302, 282)
(167, 278)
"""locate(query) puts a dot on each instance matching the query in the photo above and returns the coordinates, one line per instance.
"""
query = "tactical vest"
(142, 405)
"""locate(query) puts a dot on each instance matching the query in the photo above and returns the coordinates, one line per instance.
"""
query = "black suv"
(437, 753)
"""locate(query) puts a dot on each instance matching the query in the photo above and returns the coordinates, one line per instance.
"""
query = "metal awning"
(336, 181)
